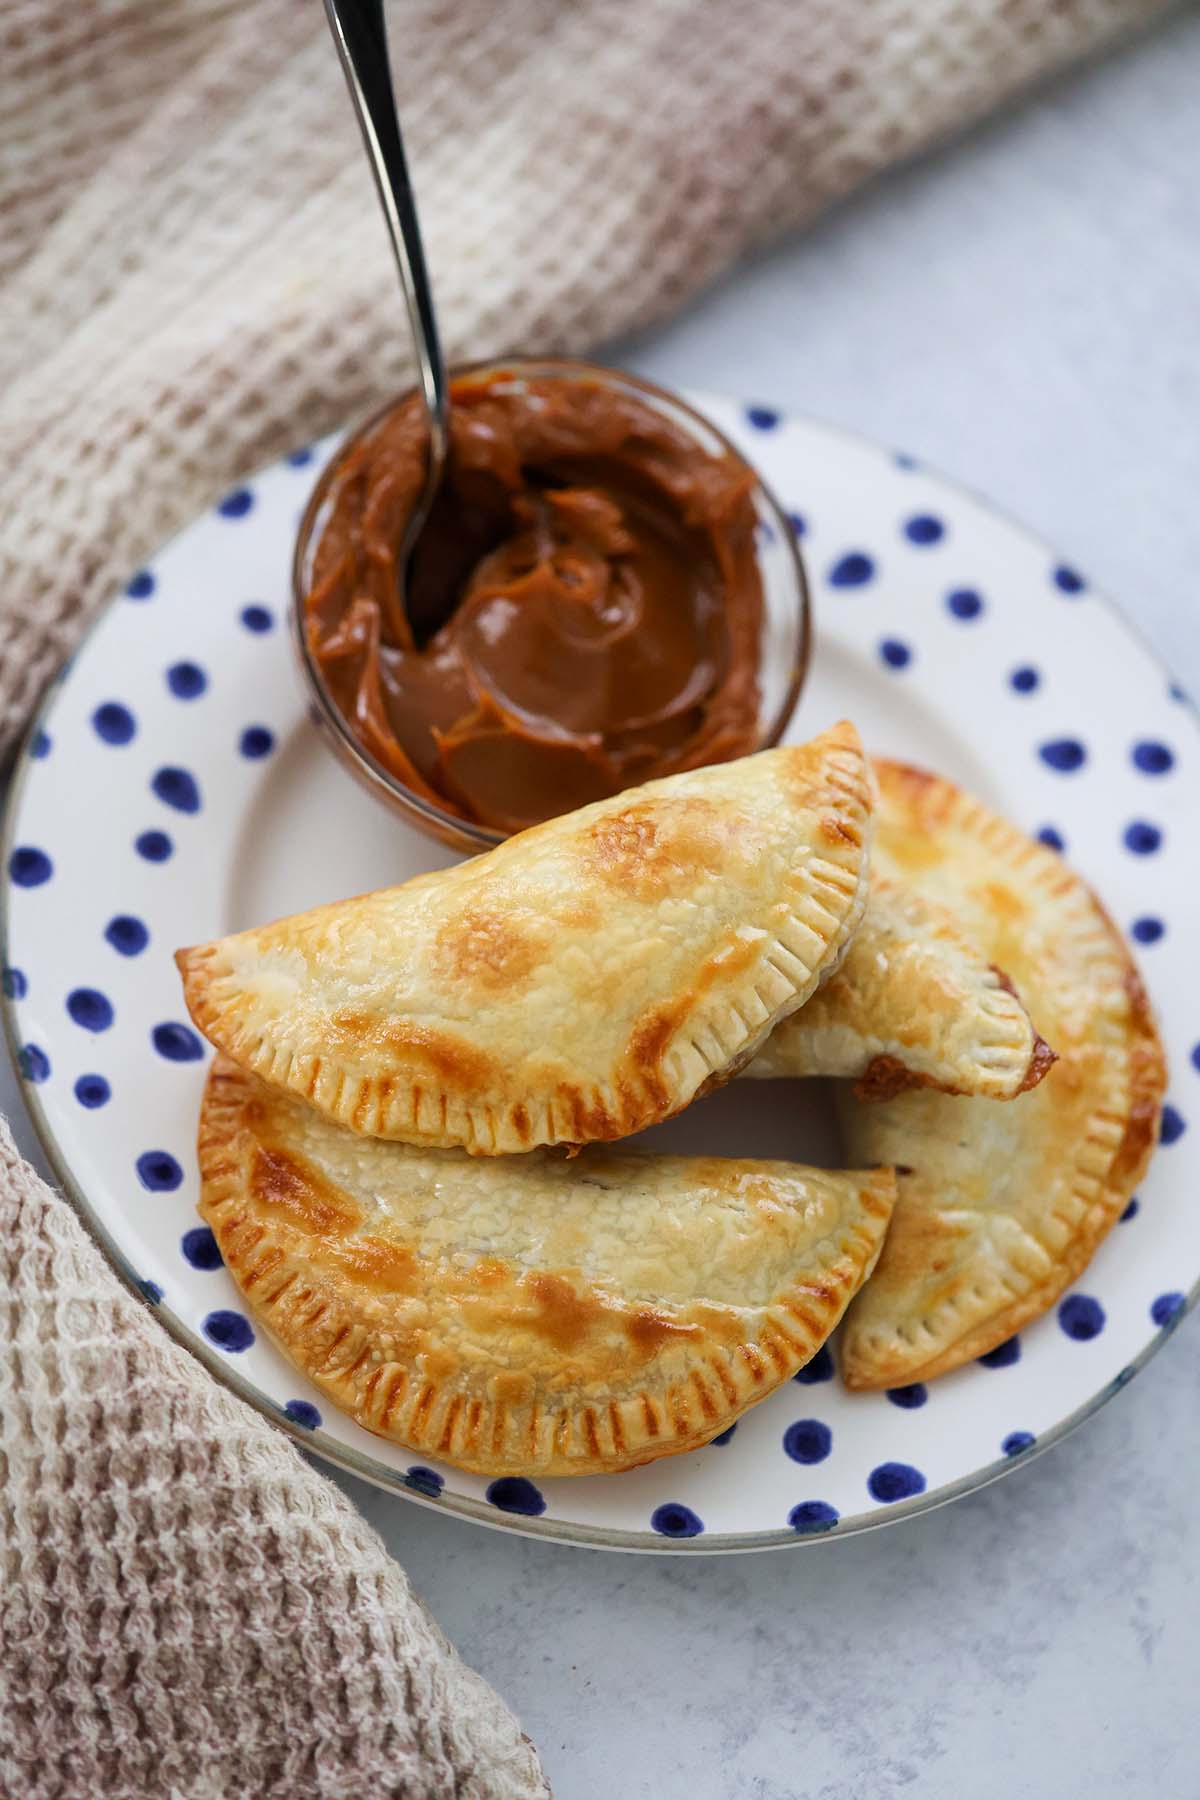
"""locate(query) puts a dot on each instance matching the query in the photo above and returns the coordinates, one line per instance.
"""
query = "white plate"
(173, 789)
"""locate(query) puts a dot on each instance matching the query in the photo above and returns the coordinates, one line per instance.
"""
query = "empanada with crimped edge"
(914, 1003)
(583, 980)
(539, 1314)
(1004, 1205)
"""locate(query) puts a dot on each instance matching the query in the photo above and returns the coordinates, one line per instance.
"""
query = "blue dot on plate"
(1195, 1047)
(1173, 1125)
(256, 741)
(33, 1062)
(303, 1412)
(29, 867)
(126, 934)
(924, 528)
(92, 1091)
(763, 418)
(1081, 1317)
(257, 618)
(14, 984)
(155, 846)
(808, 1441)
(1016, 1441)
(1152, 758)
(514, 1494)
(228, 1330)
(1003, 1356)
(798, 523)
(1064, 754)
(965, 604)
(1068, 581)
(178, 1043)
(237, 504)
(1053, 838)
(186, 680)
(114, 723)
(895, 654)
(142, 585)
(40, 745)
(158, 1171)
(673, 1519)
(90, 1008)
(1147, 930)
(1167, 1307)
(424, 1481)
(177, 788)
(851, 570)
(812, 1516)
(1024, 679)
(912, 1395)
(903, 460)
(892, 1481)
(199, 1248)
(298, 458)
(1142, 838)
(723, 1437)
(1131, 1212)
(151, 1291)
(818, 1368)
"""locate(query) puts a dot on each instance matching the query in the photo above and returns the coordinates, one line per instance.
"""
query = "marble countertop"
(1023, 312)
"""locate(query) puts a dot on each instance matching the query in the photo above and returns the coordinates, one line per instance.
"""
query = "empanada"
(1005, 1204)
(538, 1314)
(913, 1004)
(583, 980)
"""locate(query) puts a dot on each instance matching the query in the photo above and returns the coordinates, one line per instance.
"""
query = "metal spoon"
(361, 38)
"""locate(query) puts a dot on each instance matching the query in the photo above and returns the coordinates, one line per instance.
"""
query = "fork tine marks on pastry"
(914, 1003)
(582, 981)
(529, 1314)
(1003, 1206)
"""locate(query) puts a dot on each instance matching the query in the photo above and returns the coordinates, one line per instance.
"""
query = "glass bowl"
(786, 626)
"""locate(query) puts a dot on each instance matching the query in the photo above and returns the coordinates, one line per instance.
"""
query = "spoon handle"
(361, 37)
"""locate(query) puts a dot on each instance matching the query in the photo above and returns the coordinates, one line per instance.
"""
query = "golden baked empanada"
(538, 1314)
(583, 980)
(913, 1004)
(1005, 1204)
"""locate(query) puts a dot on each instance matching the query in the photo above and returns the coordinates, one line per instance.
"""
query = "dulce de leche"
(584, 605)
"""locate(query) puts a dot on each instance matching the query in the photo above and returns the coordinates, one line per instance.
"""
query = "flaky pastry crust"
(584, 980)
(535, 1315)
(914, 1003)
(1004, 1205)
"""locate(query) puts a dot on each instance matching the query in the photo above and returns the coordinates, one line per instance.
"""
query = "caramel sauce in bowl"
(604, 593)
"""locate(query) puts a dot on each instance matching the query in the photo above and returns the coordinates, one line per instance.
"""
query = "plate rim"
(366, 1468)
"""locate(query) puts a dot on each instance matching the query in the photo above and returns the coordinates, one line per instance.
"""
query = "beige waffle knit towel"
(192, 279)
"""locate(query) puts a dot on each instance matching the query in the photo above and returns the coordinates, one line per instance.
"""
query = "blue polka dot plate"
(174, 788)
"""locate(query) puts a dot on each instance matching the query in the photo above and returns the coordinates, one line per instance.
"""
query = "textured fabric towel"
(193, 279)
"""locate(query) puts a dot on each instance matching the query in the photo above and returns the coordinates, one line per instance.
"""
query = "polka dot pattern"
(852, 570)
(90, 1009)
(177, 788)
(1081, 1317)
(676, 1520)
(514, 1494)
(114, 723)
(186, 680)
(228, 1330)
(812, 1517)
(808, 1441)
(127, 934)
(424, 1481)
(981, 652)
(892, 1481)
